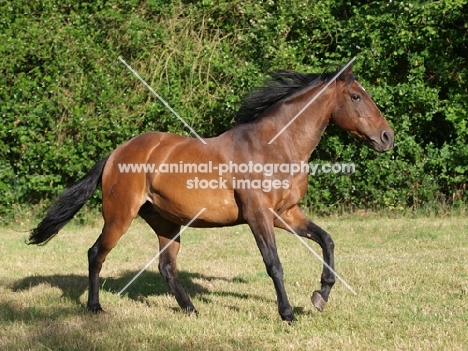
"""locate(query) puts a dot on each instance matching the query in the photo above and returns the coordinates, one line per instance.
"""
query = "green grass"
(411, 278)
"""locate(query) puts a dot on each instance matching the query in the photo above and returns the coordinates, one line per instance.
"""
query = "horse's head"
(356, 112)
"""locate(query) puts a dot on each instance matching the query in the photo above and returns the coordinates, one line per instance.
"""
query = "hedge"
(66, 100)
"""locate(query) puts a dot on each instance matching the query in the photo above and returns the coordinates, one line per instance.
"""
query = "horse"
(267, 198)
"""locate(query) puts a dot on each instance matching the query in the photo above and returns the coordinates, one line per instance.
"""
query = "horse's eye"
(355, 97)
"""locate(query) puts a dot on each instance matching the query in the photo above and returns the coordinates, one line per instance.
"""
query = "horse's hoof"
(318, 301)
(191, 311)
(288, 318)
(95, 308)
(289, 321)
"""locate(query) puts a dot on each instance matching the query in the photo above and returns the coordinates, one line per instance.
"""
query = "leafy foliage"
(66, 101)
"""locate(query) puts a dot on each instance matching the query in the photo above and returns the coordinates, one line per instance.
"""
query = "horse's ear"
(347, 73)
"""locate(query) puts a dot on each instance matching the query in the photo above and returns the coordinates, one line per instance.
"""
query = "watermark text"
(267, 169)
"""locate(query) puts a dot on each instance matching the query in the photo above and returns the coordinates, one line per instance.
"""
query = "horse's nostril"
(386, 137)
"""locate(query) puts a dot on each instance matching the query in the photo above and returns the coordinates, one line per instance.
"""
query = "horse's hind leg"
(166, 232)
(113, 229)
(167, 267)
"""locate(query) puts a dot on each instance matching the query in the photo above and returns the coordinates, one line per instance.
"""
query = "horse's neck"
(304, 133)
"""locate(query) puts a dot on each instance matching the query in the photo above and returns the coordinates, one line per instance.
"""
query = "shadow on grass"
(85, 332)
(43, 328)
(149, 283)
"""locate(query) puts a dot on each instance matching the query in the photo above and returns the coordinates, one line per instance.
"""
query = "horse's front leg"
(297, 221)
(260, 221)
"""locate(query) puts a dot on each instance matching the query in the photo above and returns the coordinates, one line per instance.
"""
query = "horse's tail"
(67, 205)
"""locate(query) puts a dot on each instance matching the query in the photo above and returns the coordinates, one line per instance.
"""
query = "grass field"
(410, 275)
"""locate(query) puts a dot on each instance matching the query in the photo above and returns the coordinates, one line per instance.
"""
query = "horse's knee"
(275, 270)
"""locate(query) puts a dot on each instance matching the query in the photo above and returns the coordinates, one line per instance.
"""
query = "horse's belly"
(205, 207)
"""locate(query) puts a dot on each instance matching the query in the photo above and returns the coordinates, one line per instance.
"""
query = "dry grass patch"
(411, 276)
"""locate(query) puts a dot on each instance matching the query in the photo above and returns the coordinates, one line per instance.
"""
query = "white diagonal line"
(160, 252)
(161, 99)
(312, 100)
(312, 250)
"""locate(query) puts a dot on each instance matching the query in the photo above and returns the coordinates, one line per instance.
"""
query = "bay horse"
(168, 200)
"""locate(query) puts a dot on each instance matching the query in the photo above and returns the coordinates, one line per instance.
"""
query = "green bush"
(66, 100)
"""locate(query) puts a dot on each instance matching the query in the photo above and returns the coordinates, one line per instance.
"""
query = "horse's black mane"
(279, 86)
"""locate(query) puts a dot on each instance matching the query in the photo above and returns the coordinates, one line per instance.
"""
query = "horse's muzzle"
(384, 143)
